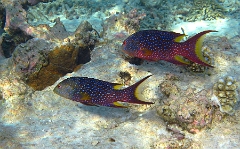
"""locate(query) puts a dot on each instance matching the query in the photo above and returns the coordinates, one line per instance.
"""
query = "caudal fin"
(194, 44)
(132, 94)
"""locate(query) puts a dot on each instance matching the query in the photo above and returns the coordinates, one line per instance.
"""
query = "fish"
(94, 92)
(155, 45)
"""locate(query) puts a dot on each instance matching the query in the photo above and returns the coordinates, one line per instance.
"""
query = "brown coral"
(191, 111)
(62, 60)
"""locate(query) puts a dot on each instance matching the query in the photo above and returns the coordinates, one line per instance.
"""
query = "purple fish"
(96, 92)
(155, 45)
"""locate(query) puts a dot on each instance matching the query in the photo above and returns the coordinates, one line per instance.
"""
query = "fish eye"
(59, 86)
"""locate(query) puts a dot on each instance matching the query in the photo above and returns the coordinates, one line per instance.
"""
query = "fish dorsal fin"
(84, 96)
(117, 86)
(179, 38)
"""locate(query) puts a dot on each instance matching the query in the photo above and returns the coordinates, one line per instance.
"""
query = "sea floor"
(43, 119)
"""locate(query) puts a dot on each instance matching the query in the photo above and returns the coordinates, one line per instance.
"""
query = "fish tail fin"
(132, 94)
(194, 44)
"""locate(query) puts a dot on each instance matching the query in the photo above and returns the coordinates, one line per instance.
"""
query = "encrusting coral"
(191, 111)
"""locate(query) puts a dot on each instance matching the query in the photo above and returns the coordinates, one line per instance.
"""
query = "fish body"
(96, 92)
(155, 45)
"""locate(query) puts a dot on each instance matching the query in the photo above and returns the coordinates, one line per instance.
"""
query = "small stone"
(112, 140)
(95, 142)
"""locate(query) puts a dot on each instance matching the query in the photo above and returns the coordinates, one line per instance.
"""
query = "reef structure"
(40, 62)
(225, 94)
(189, 110)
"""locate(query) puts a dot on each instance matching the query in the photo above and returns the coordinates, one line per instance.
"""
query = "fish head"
(64, 89)
(130, 46)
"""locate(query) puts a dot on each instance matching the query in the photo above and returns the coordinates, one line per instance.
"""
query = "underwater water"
(119, 74)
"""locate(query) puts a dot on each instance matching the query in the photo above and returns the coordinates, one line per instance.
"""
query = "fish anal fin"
(177, 61)
(179, 38)
(180, 60)
(118, 105)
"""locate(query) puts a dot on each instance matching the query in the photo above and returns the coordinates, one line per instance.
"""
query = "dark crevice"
(10, 42)
(84, 54)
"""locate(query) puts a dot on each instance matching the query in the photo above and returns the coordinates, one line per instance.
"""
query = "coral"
(46, 13)
(205, 10)
(62, 60)
(225, 91)
(16, 22)
(118, 26)
(9, 42)
(34, 2)
(85, 35)
(28, 58)
(191, 111)
(11, 86)
(15, 18)
(151, 3)
(40, 63)
(125, 77)
(132, 23)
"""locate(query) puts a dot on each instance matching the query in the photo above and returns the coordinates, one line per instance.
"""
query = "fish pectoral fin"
(84, 96)
(118, 105)
(146, 52)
